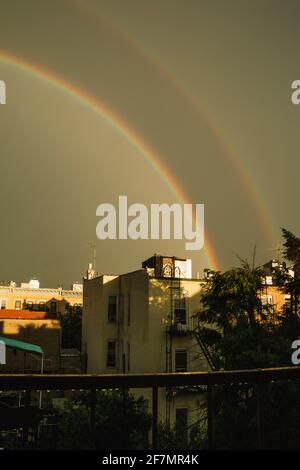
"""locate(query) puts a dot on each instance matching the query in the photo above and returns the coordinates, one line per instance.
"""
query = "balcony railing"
(256, 377)
(179, 329)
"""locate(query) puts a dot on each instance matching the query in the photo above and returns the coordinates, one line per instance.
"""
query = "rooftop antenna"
(277, 250)
(91, 272)
(93, 246)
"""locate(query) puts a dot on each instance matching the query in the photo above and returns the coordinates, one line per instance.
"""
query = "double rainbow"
(100, 108)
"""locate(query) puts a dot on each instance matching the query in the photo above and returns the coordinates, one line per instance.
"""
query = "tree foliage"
(122, 422)
(71, 324)
(249, 334)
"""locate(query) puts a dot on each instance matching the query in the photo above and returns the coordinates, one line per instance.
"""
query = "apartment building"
(271, 295)
(35, 328)
(143, 321)
(30, 296)
(31, 313)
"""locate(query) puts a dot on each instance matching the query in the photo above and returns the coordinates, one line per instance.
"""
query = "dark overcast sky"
(205, 84)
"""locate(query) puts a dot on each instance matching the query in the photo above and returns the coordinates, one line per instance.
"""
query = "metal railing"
(256, 377)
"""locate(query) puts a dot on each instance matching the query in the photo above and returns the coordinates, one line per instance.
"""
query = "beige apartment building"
(26, 327)
(146, 322)
(143, 322)
(31, 313)
(30, 296)
(271, 295)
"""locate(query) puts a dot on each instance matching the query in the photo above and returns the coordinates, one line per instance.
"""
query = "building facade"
(143, 322)
(272, 296)
(30, 296)
(34, 328)
(32, 314)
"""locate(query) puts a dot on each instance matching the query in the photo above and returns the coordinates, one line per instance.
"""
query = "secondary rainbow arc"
(247, 182)
(101, 108)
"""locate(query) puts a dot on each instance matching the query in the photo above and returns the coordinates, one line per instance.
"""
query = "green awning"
(16, 344)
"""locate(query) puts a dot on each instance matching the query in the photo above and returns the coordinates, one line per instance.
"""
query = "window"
(121, 308)
(29, 305)
(182, 423)
(267, 303)
(42, 306)
(180, 360)
(266, 299)
(268, 280)
(67, 307)
(128, 309)
(181, 417)
(128, 357)
(112, 309)
(18, 304)
(180, 311)
(3, 304)
(111, 353)
(53, 306)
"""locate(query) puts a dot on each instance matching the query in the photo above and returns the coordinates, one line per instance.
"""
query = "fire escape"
(178, 324)
(173, 326)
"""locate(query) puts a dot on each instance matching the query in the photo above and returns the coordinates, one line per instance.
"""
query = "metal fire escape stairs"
(171, 329)
(204, 348)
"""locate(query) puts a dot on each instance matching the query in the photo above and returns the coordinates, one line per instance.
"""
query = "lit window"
(266, 299)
